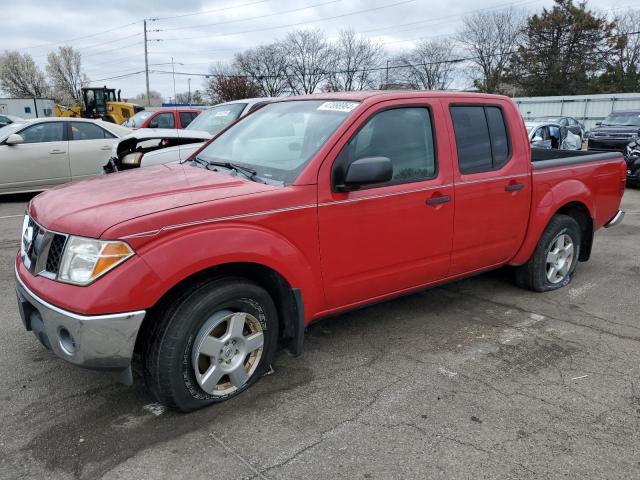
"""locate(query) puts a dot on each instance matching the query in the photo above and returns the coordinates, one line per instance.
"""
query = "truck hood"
(90, 207)
(605, 130)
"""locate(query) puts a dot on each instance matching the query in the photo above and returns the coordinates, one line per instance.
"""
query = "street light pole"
(189, 83)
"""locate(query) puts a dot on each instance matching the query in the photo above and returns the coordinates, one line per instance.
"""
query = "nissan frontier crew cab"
(308, 207)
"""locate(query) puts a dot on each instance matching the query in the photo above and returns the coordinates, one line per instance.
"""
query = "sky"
(198, 33)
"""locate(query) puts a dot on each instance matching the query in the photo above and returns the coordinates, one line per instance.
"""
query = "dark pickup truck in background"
(615, 132)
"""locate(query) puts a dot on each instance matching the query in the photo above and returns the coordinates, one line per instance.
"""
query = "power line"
(519, 3)
(395, 4)
(204, 12)
(250, 18)
(80, 38)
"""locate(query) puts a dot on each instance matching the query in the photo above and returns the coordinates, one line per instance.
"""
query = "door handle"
(439, 200)
(514, 187)
(55, 151)
(106, 147)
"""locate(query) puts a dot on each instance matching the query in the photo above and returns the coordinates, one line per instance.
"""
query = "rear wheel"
(211, 344)
(555, 258)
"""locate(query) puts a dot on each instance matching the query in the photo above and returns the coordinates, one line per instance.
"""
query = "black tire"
(167, 352)
(533, 275)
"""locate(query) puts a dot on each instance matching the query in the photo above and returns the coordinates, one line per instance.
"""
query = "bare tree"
(309, 59)
(155, 98)
(356, 57)
(66, 76)
(429, 65)
(623, 72)
(225, 84)
(266, 65)
(489, 37)
(21, 77)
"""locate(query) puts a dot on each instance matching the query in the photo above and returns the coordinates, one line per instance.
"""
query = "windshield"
(217, 118)
(622, 119)
(137, 120)
(278, 140)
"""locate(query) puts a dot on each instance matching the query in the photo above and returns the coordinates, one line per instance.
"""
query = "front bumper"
(91, 341)
(604, 144)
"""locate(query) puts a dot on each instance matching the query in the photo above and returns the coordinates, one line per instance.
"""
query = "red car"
(308, 207)
(172, 118)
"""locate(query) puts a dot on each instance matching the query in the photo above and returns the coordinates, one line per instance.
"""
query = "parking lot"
(476, 379)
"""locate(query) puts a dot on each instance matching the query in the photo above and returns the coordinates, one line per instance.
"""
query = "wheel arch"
(288, 300)
(572, 198)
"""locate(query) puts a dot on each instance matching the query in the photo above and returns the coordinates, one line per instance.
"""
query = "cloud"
(120, 51)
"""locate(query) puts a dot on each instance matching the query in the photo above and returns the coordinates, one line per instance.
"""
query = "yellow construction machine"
(101, 103)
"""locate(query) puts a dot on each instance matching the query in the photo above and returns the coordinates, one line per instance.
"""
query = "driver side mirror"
(366, 171)
(598, 124)
(153, 124)
(536, 139)
(14, 139)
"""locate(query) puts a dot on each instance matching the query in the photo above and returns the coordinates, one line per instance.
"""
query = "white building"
(27, 107)
(587, 109)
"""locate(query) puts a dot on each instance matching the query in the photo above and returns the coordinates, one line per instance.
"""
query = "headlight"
(86, 259)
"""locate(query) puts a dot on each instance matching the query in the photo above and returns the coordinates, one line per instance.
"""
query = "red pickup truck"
(307, 207)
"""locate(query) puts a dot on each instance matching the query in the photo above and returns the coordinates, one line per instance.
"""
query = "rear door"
(41, 161)
(89, 149)
(492, 186)
(390, 237)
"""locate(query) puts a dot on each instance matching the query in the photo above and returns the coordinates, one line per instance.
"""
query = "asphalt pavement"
(476, 379)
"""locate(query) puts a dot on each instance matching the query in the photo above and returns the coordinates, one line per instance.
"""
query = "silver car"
(45, 152)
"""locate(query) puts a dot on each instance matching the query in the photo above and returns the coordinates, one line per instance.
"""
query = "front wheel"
(211, 344)
(555, 258)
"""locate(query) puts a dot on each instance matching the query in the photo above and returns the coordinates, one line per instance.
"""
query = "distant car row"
(147, 147)
(41, 153)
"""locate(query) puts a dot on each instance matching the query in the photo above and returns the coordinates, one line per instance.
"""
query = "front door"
(390, 237)
(41, 161)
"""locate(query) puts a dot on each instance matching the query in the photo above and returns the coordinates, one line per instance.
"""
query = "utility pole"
(189, 82)
(146, 63)
(173, 69)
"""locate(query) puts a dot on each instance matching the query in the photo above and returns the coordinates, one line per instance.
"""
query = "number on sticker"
(338, 106)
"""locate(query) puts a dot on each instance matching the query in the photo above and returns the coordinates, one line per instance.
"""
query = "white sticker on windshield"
(223, 113)
(338, 106)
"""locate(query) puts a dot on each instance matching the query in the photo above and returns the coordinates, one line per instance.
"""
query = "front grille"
(55, 253)
(42, 249)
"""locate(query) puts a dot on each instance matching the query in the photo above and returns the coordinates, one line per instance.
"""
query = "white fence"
(587, 109)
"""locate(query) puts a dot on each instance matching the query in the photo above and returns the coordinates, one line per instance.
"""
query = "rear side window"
(186, 118)
(88, 131)
(481, 137)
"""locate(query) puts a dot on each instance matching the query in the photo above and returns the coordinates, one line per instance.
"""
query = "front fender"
(546, 202)
(180, 254)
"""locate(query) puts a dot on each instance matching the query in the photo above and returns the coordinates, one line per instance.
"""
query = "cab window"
(404, 135)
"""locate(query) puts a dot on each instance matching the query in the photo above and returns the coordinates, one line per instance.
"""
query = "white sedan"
(45, 152)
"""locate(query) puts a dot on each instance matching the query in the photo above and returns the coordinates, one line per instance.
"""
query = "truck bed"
(546, 158)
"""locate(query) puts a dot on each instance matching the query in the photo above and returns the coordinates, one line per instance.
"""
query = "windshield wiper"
(250, 173)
